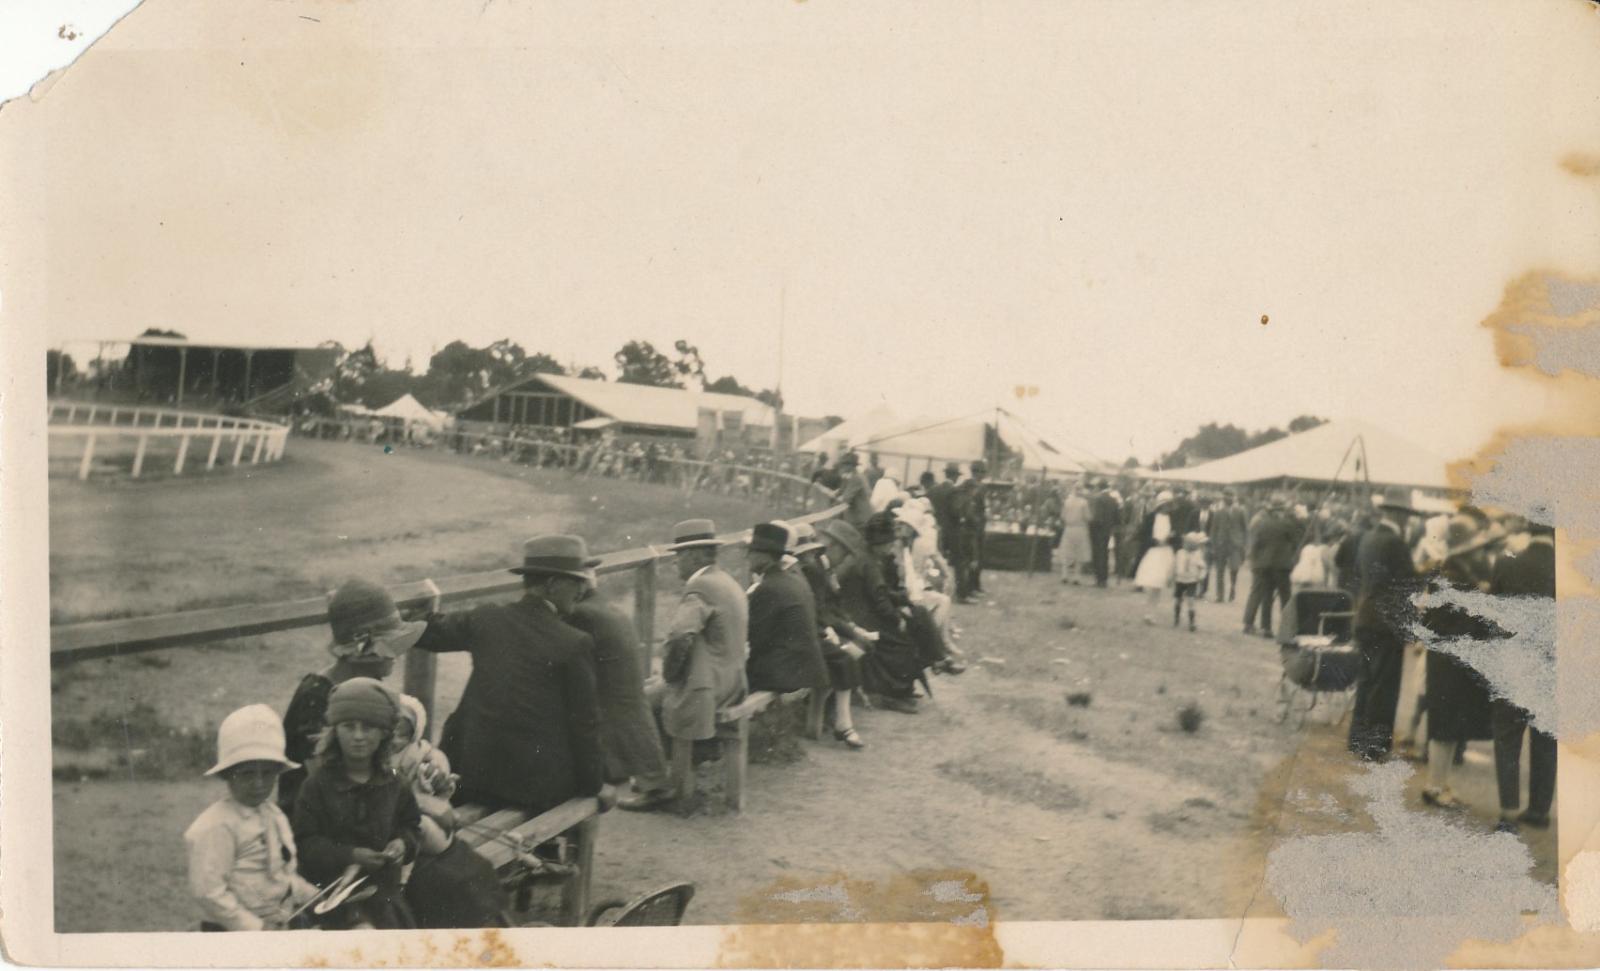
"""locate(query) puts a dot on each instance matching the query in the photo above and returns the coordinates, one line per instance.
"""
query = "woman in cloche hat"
(368, 634)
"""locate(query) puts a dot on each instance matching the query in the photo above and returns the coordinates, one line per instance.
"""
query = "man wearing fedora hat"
(1383, 617)
(704, 655)
(784, 652)
(526, 734)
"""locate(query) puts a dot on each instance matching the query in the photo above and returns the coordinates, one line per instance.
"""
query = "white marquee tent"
(1366, 452)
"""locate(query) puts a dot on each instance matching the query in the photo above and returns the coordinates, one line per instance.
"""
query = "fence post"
(138, 455)
(183, 451)
(255, 453)
(216, 442)
(644, 608)
(238, 447)
(72, 412)
(418, 682)
(88, 456)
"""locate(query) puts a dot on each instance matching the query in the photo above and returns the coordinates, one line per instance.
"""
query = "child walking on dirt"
(242, 863)
(1188, 573)
(354, 812)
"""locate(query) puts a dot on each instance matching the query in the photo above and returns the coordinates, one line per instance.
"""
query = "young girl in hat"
(353, 811)
(242, 860)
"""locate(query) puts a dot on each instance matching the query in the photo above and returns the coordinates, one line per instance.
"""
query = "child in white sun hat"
(243, 867)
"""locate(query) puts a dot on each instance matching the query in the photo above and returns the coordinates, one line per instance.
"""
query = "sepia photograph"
(1067, 483)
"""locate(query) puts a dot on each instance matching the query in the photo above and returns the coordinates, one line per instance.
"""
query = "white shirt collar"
(696, 574)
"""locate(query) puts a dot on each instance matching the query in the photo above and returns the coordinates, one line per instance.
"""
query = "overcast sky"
(941, 201)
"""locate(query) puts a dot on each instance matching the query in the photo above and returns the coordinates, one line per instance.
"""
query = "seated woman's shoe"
(645, 801)
(950, 666)
(851, 737)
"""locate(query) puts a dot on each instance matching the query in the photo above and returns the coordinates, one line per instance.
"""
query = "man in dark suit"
(1384, 613)
(943, 498)
(1530, 573)
(1226, 533)
(526, 734)
(975, 523)
(1104, 516)
(1273, 546)
(785, 654)
(854, 492)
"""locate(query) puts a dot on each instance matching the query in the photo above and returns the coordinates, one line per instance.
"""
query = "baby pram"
(1315, 647)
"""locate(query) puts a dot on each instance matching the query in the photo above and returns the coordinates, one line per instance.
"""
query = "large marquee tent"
(1347, 451)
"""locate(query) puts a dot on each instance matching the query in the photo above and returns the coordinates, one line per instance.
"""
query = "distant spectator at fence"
(368, 634)
(854, 492)
(526, 734)
(1104, 516)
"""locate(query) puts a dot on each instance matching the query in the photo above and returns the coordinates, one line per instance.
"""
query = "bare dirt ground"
(1097, 807)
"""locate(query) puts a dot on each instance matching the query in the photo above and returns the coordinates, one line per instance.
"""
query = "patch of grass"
(1191, 717)
(139, 741)
(1079, 699)
(1018, 785)
(775, 735)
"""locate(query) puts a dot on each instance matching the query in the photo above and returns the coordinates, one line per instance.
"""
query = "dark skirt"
(1457, 700)
(891, 667)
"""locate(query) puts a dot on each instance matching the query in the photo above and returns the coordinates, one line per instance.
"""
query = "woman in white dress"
(1073, 551)
(1155, 566)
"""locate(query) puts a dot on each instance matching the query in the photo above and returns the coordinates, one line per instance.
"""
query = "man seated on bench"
(784, 653)
(703, 660)
(526, 734)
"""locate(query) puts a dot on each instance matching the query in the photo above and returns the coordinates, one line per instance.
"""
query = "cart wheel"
(602, 908)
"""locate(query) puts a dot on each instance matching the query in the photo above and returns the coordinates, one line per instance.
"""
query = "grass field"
(1055, 773)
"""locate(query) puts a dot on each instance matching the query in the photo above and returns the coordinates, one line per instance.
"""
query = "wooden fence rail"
(87, 640)
(96, 424)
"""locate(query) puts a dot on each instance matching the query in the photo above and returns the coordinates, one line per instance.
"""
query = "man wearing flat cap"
(526, 734)
(1383, 619)
(704, 656)
(785, 654)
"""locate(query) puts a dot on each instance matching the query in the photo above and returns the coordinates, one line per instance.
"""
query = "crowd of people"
(561, 703)
(1381, 554)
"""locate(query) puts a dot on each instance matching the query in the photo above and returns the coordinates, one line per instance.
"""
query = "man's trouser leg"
(1098, 553)
(1377, 692)
(1541, 771)
(1258, 593)
(1507, 723)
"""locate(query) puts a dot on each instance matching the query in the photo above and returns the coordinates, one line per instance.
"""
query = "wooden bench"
(733, 734)
(507, 838)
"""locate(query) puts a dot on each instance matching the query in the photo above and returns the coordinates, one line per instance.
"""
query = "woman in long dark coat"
(891, 666)
(1457, 697)
(834, 630)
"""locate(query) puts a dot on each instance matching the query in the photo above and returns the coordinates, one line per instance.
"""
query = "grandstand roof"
(643, 404)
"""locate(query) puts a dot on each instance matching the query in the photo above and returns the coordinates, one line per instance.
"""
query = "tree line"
(1213, 441)
(460, 373)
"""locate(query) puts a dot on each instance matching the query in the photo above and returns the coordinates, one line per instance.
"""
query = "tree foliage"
(638, 362)
(1213, 441)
